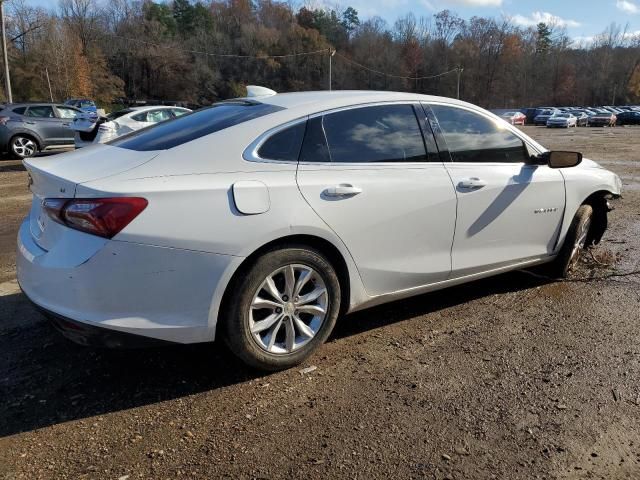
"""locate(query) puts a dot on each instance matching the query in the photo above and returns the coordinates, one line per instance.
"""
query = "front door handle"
(342, 190)
(473, 183)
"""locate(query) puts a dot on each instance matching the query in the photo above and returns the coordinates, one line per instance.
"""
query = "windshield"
(191, 126)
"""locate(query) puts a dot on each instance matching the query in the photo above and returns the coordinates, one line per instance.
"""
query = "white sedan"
(261, 220)
(90, 128)
(562, 120)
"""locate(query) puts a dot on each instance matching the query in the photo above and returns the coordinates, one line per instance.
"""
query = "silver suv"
(27, 128)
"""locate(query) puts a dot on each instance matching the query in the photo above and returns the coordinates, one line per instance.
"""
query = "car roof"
(35, 104)
(318, 101)
(152, 107)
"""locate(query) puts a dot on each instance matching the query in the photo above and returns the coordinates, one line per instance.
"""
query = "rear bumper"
(92, 336)
(156, 292)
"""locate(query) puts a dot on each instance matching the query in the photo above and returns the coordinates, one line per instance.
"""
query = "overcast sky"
(583, 18)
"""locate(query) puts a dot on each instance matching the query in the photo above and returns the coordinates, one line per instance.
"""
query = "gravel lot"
(511, 377)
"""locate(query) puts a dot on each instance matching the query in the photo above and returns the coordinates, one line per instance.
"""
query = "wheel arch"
(26, 133)
(324, 246)
(598, 200)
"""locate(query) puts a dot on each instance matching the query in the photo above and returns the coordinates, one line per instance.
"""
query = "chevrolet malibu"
(262, 220)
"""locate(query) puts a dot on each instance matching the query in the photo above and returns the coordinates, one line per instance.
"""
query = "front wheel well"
(598, 201)
(320, 244)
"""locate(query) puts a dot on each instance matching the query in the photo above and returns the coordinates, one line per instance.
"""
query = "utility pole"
(7, 79)
(46, 70)
(332, 52)
(460, 70)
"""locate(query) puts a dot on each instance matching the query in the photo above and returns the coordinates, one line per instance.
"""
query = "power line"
(378, 72)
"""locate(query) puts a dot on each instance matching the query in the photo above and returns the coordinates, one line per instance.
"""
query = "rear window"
(194, 125)
(119, 113)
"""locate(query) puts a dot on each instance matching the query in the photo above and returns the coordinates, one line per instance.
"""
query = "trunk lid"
(84, 122)
(58, 177)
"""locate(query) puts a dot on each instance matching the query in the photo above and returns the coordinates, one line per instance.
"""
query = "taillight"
(4, 120)
(104, 217)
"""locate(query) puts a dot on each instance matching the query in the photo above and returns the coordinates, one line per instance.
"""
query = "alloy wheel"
(288, 309)
(23, 147)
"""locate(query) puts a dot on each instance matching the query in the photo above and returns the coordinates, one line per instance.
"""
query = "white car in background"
(90, 128)
(562, 120)
(261, 220)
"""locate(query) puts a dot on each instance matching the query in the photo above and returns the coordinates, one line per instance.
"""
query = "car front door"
(509, 210)
(65, 120)
(366, 172)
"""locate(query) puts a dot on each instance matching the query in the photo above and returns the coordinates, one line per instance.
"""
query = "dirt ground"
(507, 378)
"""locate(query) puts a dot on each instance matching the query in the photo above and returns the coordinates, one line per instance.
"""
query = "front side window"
(195, 125)
(386, 133)
(66, 112)
(44, 111)
(284, 145)
(471, 137)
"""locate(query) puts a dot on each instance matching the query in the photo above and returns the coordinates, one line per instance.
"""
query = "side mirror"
(564, 159)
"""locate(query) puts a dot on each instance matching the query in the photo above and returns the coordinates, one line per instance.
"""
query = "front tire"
(282, 308)
(23, 146)
(574, 243)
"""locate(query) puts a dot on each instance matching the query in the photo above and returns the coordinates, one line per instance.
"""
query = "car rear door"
(509, 210)
(367, 172)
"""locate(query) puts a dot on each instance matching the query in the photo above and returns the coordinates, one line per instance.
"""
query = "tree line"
(204, 51)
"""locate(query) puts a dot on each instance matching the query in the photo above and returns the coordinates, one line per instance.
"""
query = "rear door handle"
(473, 183)
(342, 190)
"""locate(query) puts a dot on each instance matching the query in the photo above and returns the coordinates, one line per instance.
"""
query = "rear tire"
(282, 308)
(574, 243)
(22, 146)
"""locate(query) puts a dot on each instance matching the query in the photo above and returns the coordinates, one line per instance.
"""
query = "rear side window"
(194, 125)
(178, 112)
(471, 137)
(284, 145)
(43, 111)
(119, 113)
(388, 133)
(19, 110)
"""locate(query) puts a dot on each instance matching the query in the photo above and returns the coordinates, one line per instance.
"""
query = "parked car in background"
(514, 118)
(29, 128)
(600, 119)
(261, 220)
(84, 104)
(90, 129)
(531, 113)
(628, 118)
(543, 116)
(562, 120)
(582, 118)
